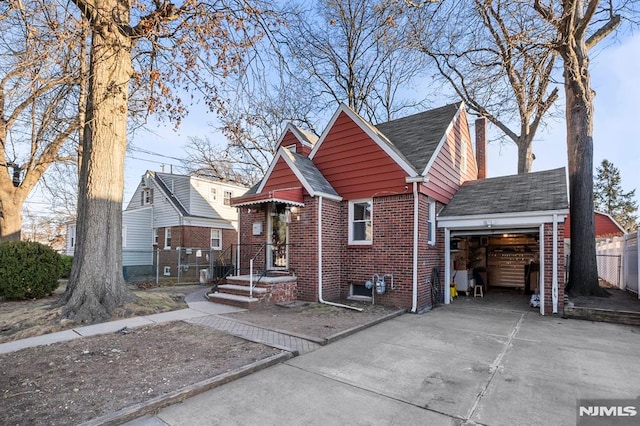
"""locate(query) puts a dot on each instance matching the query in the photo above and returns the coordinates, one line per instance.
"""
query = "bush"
(67, 261)
(28, 270)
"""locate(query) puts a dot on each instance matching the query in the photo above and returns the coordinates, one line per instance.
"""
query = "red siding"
(604, 227)
(445, 175)
(281, 177)
(355, 165)
(290, 139)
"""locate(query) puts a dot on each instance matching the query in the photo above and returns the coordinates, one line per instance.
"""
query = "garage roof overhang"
(500, 222)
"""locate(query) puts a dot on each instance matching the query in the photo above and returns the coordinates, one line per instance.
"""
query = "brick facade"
(343, 265)
(194, 238)
(548, 268)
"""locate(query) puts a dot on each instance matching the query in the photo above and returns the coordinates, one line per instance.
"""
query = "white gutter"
(320, 299)
(554, 288)
(414, 299)
(542, 283)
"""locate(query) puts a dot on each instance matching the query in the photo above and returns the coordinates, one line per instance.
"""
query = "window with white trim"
(147, 197)
(216, 239)
(155, 236)
(227, 198)
(167, 238)
(360, 221)
(213, 194)
(431, 223)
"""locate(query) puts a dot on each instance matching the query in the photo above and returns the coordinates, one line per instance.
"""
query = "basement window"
(359, 292)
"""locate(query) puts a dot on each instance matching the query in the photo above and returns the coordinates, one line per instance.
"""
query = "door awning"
(290, 196)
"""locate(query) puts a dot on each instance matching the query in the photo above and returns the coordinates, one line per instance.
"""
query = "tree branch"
(603, 31)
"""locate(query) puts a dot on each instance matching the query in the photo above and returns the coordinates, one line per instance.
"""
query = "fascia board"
(501, 219)
(377, 137)
(289, 160)
(443, 140)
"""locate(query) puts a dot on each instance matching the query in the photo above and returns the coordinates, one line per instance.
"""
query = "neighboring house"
(70, 238)
(359, 206)
(169, 216)
(605, 227)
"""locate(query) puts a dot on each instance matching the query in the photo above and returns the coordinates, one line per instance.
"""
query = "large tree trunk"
(10, 216)
(97, 285)
(583, 272)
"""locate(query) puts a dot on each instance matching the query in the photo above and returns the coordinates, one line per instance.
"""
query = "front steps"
(266, 290)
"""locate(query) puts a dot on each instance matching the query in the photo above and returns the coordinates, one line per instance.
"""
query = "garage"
(506, 233)
(507, 260)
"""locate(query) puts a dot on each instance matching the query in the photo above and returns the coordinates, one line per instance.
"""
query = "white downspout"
(447, 266)
(320, 299)
(238, 248)
(554, 288)
(414, 299)
(542, 284)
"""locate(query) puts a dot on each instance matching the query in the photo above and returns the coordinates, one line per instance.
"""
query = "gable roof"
(169, 195)
(376, 136)
(418, 136)
(531, 192)
(304, 170)
(310, 176)
(304, 137)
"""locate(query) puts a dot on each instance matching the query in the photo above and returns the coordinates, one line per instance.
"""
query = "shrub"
(28, 270)
(67, 261)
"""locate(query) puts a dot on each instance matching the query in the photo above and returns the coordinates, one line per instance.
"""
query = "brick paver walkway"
(256, 334)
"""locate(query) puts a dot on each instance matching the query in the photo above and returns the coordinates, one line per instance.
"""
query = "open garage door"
(508, 258)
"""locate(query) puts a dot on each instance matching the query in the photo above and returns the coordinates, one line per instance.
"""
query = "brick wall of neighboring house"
(548, 268)
(195, 238)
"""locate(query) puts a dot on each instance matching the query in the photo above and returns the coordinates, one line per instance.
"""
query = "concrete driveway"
(465, 363)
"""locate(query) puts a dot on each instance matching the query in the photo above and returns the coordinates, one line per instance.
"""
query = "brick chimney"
(481, 147)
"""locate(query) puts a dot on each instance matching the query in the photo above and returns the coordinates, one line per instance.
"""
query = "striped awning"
(290, 196)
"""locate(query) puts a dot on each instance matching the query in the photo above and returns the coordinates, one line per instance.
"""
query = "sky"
(615, 79)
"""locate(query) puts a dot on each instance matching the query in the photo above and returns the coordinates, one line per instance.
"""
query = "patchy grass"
(22, 319)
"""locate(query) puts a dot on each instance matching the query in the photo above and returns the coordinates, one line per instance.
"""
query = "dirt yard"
(75, 381)
(313, 319)
(72, 382)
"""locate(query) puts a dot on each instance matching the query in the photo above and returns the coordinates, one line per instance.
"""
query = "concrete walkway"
(200, 311)
(468, 363)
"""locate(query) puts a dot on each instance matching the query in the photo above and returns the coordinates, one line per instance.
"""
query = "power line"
(144, 151)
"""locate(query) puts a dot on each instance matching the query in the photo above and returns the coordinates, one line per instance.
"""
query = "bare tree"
(252, 124)
(38, 101)
(496, 57)
(350, 52)
(579, 26)
(150, 46)
(336, 52)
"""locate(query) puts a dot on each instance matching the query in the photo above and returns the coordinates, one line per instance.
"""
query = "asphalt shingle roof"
(531, 192)
(311, 173)
(417, 136)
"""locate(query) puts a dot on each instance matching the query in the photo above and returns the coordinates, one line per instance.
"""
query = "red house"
(367, 212)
